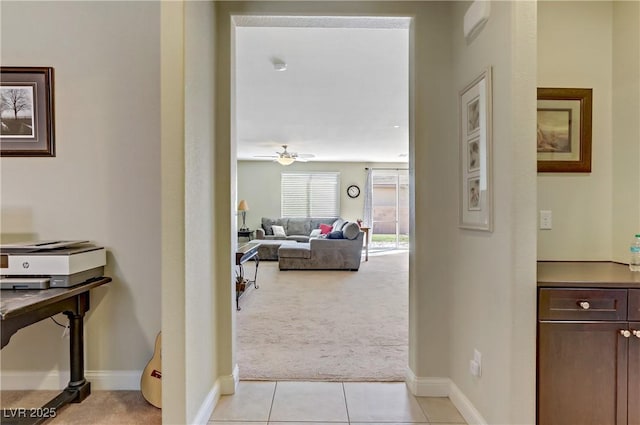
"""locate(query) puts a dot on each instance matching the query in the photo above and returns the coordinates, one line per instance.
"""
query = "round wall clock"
(353, 191)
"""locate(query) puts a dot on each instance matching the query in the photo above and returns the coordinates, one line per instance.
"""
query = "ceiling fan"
(287, 158)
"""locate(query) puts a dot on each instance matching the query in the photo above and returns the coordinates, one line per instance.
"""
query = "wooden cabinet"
(633, 381)
(588, 370)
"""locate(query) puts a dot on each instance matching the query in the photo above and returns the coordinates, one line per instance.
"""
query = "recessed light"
(279, 65)
(396, 126)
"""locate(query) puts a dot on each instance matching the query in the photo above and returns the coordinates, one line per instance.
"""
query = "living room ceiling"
(343, 95)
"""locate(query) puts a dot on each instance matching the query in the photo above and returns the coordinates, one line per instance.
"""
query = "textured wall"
(103, 184)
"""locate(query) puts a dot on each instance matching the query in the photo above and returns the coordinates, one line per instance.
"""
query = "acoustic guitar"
(151, 381)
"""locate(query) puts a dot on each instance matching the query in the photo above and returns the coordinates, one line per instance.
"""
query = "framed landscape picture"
(26, 114)
(564, 130)
(476, 194)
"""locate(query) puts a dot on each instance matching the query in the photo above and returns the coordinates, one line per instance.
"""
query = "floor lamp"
(243, 207)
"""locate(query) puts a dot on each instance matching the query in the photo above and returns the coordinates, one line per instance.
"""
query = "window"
(310, 194)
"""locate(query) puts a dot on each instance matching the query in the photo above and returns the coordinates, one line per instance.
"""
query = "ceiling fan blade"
(300, 159)
(265, 156)
(306, 155)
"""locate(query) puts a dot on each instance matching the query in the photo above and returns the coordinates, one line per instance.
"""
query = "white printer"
(44, 264)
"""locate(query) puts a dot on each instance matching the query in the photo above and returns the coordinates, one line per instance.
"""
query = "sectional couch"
(300, 249)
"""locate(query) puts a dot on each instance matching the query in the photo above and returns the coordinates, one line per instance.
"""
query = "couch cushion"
(268, 222)
(299, 250)
(299, 226)
(316, 222)
(315, 233)
(351, 230)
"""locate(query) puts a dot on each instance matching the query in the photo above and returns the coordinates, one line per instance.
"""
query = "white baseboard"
(229, 383)
(58, 380)
(427, 387)
(210, 402)
(224, 385)
(444, 387)
(465, 407)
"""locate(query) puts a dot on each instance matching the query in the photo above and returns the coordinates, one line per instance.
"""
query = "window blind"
(310, 194)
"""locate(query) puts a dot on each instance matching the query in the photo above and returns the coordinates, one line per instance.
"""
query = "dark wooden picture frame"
(27, 114)
(564, 130)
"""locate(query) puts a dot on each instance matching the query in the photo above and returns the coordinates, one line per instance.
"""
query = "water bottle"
(634, 261)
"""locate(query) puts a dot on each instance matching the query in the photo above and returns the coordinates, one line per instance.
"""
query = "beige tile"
(310, 423)
(251, 402)
(235, 423)
(382, 402)
(391, 423)
(309, 401)
(440, 410)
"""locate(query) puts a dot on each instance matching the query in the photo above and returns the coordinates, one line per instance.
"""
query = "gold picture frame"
(564, 130)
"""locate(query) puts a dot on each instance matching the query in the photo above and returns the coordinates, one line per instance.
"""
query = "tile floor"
(323, 403)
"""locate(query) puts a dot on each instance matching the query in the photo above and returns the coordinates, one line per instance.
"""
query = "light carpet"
(326, 325)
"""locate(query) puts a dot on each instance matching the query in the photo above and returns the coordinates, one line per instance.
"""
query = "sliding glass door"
(390, 207)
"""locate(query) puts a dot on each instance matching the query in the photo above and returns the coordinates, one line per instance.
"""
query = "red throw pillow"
(325, 229)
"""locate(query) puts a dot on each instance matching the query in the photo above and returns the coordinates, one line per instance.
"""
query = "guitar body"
(151, 381)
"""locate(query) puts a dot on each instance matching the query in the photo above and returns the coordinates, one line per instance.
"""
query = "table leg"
(77, 382)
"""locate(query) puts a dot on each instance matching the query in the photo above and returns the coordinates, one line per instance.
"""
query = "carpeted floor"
(326, 325)
(100, 408)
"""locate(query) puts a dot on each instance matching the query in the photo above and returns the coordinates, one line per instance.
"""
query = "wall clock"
(353, 191)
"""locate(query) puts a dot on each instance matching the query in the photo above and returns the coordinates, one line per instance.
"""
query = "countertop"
(586, 274)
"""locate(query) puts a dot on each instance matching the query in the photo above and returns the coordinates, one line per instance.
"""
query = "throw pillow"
(278, 231)
(351, 230)
(315, 233)
(325, 229)
(335, 235)
(337, 225)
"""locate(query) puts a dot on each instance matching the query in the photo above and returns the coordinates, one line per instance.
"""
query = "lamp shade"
(243, 206)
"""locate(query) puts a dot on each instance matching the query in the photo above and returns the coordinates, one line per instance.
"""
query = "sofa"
(296, 230)
(343, 251)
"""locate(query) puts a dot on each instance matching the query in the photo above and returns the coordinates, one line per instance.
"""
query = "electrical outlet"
(477, 362)
(546, 218)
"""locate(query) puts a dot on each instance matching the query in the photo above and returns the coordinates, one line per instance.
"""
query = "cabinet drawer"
(582, 304)
(634, 305)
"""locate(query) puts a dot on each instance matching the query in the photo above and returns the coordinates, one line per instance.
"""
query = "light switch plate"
(546, 220)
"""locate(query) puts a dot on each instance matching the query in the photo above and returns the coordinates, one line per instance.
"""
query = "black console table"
(246, 233)
(21, 308)
(245, 253)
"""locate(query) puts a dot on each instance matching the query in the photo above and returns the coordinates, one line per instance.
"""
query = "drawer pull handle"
(585, 305)
(625, 333)
(636, 333)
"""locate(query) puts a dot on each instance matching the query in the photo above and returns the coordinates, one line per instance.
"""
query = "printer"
(55, 264)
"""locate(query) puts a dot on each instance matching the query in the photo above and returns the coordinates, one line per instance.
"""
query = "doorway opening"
(301, 94)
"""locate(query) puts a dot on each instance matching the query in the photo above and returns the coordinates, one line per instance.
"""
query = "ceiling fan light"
(284, 160)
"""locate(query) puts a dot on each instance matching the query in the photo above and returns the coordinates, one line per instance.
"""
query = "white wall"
(103, 184)
(200, 294)
(575, 50)
(492, 275)
(594, 214)
(626, 127)
(259, 185)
